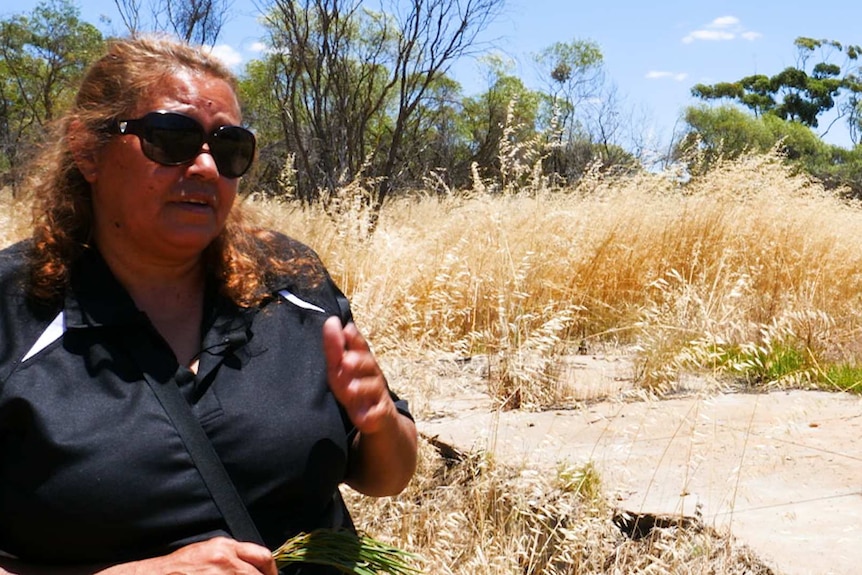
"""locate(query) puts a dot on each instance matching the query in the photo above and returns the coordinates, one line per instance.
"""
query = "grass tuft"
(842, 377)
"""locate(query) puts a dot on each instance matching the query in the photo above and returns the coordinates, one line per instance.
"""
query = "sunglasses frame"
(168, 121)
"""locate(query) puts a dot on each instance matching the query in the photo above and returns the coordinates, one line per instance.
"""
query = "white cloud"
(661, 75)
(724, 22)
(263, 48)
(227, 54)
(708, 35)
(723, 28)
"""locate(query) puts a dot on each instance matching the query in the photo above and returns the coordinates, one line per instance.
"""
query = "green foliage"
(359, 94)
(789, 103)
(797, 141)
(767, 363)
(583, 480)
(441, 145)
(570, 62)
(570, 161)
(320, 93)
(258, 102)
(42, 57)
(783, 363)
(842, 169)
(836, 167)
(720, 90)
(508, 108)
(793, 94)
(726, 132)
(843, 377)
(573, 72)
(343, 94)
(720, 132)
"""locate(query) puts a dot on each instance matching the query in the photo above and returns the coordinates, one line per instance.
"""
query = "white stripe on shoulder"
(299, 302)
(52, 333)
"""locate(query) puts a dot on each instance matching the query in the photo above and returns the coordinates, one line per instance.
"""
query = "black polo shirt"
(91, 467)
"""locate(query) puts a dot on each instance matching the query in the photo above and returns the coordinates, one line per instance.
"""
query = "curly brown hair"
(62, 221)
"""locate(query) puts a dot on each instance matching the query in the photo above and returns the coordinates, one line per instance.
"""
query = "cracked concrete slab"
(781, 470)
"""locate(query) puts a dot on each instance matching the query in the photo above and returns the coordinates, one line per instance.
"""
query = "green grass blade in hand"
(346, 551)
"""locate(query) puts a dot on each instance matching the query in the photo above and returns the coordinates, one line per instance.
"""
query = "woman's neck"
(171, 293)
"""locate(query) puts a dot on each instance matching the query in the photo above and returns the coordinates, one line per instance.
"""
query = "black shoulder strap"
(205, 458)
(344, 311)
(343, 308)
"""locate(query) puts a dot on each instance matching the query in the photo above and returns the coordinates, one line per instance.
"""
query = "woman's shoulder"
(12, 251)
(296, 268)
(21, 319)
(284, 247)
(16, 262)
(14, 265)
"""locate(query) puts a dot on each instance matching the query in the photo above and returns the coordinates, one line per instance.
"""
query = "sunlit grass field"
(749, 275)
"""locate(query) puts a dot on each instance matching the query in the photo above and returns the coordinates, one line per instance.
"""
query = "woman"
(140, 267)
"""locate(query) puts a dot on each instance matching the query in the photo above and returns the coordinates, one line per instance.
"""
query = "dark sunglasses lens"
(171, 139)
(232, 148)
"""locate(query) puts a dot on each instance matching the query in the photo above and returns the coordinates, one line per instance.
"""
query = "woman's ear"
(82, 144)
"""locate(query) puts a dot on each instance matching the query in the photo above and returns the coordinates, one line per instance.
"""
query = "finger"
(354, 340)
(339, 375)
(258, 556)
(371, 416)
(333, 346)
(367, 402)
(357, 364)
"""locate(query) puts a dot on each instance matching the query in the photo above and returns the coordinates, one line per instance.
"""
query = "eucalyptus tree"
(43, 54)
(432, 35)
(328, 74)
(508, 110)
(353, 84)
(726, 132)
(438, 147)
(195, 21)
(573, 73)
(801, 93)
(786, 108)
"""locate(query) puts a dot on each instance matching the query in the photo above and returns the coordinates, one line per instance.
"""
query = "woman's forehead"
(187, 90)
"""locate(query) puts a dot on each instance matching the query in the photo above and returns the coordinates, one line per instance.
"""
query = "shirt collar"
(96, 298)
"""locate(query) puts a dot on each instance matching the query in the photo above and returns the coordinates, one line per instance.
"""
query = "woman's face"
(148, 210)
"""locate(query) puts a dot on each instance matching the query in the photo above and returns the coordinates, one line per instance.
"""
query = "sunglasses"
(172, 139)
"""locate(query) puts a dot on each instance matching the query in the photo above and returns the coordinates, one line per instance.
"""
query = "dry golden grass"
(474, 516)
(749, 257)
(14, 218)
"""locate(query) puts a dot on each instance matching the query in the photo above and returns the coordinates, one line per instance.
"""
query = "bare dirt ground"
(782, 471)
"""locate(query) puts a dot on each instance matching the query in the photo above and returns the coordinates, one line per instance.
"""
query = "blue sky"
(654, 51)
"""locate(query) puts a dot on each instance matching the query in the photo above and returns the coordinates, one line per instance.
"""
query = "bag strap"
(343, 308)
(199, 446)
